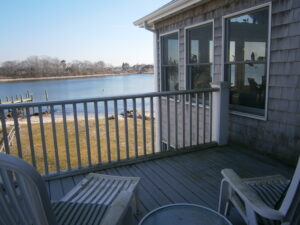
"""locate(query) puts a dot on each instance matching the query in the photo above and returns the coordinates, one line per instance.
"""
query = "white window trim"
(160, 58)
(269, 4)
(185, 46)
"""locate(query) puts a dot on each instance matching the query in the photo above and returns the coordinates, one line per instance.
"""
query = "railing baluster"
(190, 117)
(66, 135)
(160, 122)
(183, 120)
(97, 131)
(210, 116)
(43, 140)
(144, 126)
(152, 124)
(176, 122)
(107, 131)
(54, 138)
(117, 129)
(87, 133)
(168, 122)
(204, 117)
(135, 128)
(197, 117)
(167, 131)
(17, 132)
(126, 128)
(30, 137)
(4, 131)
(77, 135)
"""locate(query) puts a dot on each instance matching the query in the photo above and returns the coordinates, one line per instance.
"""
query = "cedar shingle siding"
(280, 134)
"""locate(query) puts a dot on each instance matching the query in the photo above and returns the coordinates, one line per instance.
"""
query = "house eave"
(166, 11)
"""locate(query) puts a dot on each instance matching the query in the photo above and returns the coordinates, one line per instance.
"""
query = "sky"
(76, 30)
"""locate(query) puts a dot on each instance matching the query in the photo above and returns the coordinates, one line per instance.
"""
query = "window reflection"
(172, 79)
(170, 49)
(200, 44)
(200, 76)
(248, 92)
(170, 56)
(255, 51)
(246, 60)
(199, 56)
(248, 35)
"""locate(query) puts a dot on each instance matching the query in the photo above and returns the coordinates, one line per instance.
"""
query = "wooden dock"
(30, 99)
(18, 99)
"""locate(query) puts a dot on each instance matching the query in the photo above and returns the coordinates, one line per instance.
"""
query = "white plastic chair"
(97, 199)
(262, 200)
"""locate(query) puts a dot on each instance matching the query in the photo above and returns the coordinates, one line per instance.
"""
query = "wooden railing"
(65, 136)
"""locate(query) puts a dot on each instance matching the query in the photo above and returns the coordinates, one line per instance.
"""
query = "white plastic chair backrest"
(292, 192)
(23, 195)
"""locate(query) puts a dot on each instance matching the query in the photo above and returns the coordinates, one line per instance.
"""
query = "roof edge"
(166, 11)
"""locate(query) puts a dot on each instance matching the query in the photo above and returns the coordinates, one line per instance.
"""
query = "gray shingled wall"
(279, 136)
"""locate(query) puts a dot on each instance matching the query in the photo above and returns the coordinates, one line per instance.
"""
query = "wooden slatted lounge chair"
(262, 200)
(97, 199)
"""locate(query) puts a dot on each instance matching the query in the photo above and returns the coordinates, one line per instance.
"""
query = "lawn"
(61, 143)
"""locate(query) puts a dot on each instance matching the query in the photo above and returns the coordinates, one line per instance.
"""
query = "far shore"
(65, 77)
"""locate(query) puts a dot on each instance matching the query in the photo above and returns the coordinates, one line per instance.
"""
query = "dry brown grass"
(38, 148)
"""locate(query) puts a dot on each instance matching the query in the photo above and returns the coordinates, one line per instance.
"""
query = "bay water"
(78, 88)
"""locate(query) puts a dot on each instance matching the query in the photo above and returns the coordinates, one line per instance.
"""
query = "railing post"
(157, 89)
(220, 113)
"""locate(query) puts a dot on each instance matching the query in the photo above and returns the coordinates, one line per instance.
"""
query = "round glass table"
(184, 214)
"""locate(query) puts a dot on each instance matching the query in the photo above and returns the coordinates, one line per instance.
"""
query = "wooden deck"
(192, 177)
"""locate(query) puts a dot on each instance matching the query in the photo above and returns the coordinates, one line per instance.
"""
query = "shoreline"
(69, 118)
(3, 80)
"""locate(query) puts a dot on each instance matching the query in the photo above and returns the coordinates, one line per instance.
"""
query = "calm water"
(81, 88)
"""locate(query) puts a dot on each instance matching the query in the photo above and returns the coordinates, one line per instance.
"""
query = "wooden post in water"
(46, 95)
(33, 106)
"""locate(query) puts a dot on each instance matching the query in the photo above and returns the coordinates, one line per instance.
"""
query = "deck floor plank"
(146, 199)
(153, 189)
(56, 189)
(183, 174)
(192, 177)
(165, 186)
(183, 185)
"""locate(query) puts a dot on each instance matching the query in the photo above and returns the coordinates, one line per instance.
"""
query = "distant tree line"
(45, 66)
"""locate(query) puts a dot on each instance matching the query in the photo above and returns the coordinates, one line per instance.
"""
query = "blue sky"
(76, 29)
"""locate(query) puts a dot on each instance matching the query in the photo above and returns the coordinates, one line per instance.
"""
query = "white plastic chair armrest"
(249, 196)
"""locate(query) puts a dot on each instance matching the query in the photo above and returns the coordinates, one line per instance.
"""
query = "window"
(169, 62)
(199, 56)
(246, 46)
